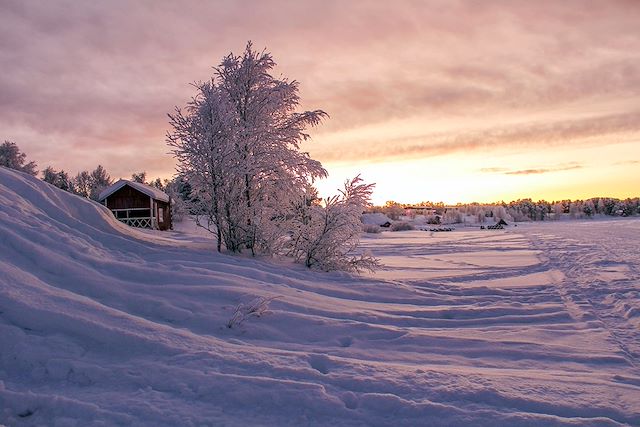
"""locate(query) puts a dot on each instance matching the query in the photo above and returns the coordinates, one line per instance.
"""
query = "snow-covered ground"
(105, 325)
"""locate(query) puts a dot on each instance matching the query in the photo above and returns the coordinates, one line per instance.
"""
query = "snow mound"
(101, 324)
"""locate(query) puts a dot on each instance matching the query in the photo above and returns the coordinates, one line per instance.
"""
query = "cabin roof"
(143, 188)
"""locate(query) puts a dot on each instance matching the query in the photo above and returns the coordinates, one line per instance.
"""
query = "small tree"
(588, 208)
(140, 177)
(82, 184)
(12, 158)
(59, 179)
(393, 210)
(326, 237)
(100, 180)
(90, 184)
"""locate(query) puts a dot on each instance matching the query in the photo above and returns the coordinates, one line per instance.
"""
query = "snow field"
(101, 324)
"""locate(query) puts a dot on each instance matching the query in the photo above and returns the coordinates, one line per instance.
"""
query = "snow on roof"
(376, 218)
(143, 188)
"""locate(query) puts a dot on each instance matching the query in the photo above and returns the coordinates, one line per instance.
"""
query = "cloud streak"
(542, 170)
(536, 134)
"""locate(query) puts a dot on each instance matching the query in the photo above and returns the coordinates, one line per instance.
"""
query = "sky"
(453, 101)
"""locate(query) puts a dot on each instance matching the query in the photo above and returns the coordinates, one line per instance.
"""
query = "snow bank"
(101, 324)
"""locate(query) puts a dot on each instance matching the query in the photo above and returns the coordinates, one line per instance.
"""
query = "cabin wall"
(163, 214)
(127, 198)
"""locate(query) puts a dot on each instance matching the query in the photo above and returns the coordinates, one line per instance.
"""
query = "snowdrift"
(101, 324)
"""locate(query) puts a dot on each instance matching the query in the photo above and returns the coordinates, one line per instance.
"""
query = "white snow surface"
(102, 325)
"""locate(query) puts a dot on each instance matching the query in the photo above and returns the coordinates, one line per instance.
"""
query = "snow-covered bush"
(255, 308)
(432, 219)
(452, 216)
(179, 208)
(325, 236)
(401, 226)
(371, 228)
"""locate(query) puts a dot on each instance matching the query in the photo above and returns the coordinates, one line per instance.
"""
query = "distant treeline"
(519, 210)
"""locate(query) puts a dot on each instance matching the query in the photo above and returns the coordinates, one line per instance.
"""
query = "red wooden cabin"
(138, 205)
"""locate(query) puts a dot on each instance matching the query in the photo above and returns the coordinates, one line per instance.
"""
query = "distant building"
(420, 210)
(138, 205)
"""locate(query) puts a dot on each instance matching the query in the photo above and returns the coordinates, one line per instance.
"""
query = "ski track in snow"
(101, 324)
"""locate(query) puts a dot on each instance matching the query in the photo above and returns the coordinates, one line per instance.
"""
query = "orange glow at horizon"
(457, 178)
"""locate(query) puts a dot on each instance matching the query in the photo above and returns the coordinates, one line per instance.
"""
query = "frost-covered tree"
(100, 180)
(451, 216)
(393, 210)
(237, 143)
(12, 158)
(140, 177)
(82, 184)
(59, 179)
(90, 184)
(576, 209)
(558, 210)
(588, 208)
(325, 236)
(499, 212)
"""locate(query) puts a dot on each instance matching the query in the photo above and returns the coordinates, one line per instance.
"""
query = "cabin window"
(160, 215)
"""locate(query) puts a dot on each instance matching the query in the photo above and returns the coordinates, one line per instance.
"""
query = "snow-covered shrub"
(452, 216)
(179, 207)
(326, 236)
(401, 226)
(255, 308)
(371, 228)
(433, 219)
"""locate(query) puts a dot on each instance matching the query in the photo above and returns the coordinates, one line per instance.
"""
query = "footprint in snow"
(350, 400)
(345, 341)
(320, 363)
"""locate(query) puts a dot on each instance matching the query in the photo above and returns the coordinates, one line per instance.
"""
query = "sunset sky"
(453, 101)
